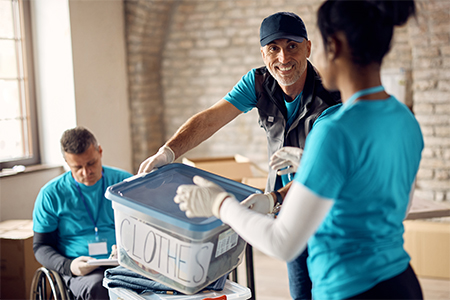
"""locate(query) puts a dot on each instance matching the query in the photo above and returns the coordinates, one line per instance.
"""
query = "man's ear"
(100, 150)
(262, 52)
(308, 48)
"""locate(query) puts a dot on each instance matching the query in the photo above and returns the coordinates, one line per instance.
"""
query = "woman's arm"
(287, 235)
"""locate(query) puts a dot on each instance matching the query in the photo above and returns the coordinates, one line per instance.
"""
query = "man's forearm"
(283, 191)
(191, 134)
(44, 247)
(202, 126)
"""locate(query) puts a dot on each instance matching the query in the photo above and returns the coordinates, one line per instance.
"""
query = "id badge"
(98, 247)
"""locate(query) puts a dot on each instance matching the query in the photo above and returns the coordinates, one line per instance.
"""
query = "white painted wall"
(18, 192)
(100, 74)
(80, 66)
(54, 75)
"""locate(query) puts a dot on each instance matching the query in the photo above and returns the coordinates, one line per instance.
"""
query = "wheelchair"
(49, 285)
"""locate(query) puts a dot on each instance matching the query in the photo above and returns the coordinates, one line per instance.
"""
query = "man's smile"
(285, 69)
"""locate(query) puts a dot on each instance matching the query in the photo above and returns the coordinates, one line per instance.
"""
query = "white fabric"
(286, 236)
(286, 157)
(262, 203)
(202, 199)
(164, 156)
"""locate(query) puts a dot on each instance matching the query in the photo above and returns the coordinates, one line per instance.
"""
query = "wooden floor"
(271, 282)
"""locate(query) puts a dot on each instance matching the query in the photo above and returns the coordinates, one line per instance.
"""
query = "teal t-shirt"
(60, 207)
(292, 109)
(243, 97)
(292, 112)
(243, 94)
(365, 157)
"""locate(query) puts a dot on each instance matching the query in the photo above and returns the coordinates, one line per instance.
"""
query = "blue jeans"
(299, 282)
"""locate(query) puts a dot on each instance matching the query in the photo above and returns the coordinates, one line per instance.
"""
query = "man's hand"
(113, 252)
(202, 199)
(262, 203)
(286, 157)
(164, 156)
(80, 267)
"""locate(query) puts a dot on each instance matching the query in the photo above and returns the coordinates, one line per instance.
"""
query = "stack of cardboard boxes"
(17, 261)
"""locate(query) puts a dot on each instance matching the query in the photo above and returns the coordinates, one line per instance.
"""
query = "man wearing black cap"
(289, 96)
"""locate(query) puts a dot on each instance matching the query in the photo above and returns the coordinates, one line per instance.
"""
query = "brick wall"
(429, 38)
(186, 55)
(146, 25)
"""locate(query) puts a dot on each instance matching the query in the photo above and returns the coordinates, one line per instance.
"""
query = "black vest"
(273, 113)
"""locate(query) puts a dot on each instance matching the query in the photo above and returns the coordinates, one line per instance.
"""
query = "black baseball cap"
(282, 25)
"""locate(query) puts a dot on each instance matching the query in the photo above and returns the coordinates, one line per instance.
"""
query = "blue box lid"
(153, 193)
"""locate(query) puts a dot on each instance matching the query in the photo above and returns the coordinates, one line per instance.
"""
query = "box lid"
(16, 234)
(153, 194)
(15, 224)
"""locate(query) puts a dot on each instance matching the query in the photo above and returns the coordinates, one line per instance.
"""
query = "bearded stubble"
(287, 81)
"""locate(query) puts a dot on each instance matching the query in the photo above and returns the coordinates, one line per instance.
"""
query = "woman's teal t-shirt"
(365, 157)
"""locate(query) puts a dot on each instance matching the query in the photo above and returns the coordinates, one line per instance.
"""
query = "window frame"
(27, 89)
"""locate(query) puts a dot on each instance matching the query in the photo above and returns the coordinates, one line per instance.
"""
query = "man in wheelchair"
(72, 220)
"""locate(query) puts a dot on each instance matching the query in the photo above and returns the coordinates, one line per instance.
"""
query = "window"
(18, 124)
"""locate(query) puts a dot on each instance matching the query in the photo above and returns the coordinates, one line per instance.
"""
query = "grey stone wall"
(185, 55)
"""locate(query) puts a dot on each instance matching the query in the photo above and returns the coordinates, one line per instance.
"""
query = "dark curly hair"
(367, 24)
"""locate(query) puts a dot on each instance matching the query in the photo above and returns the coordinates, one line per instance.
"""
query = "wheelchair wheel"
(47, 285)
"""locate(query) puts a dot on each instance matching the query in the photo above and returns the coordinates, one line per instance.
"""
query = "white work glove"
(163, 157)
(262, 203)
(286, 157)
(202, 199)
(80, 267)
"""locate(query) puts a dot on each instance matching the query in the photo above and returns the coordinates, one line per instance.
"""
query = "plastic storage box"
(155, 238)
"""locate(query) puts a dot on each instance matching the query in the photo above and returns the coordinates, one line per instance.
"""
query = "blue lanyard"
(87, 208)
(361, 93)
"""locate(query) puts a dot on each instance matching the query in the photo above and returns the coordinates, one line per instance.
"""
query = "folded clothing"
(120, 277)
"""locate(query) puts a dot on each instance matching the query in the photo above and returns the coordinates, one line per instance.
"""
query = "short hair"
(77, 140)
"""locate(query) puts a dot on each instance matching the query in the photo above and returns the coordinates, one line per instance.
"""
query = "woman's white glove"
(163, 157)
(286, 157)
(80, 267)
(202, 199)
(262, 203)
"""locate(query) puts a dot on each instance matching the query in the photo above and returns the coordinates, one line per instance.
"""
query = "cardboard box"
(428, 244)
(157, 240)
(426, 209)
(238, 168)
(256, 182)
(224, 166)
(17, 261)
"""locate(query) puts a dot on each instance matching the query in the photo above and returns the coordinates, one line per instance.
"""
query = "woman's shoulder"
(328, 113)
